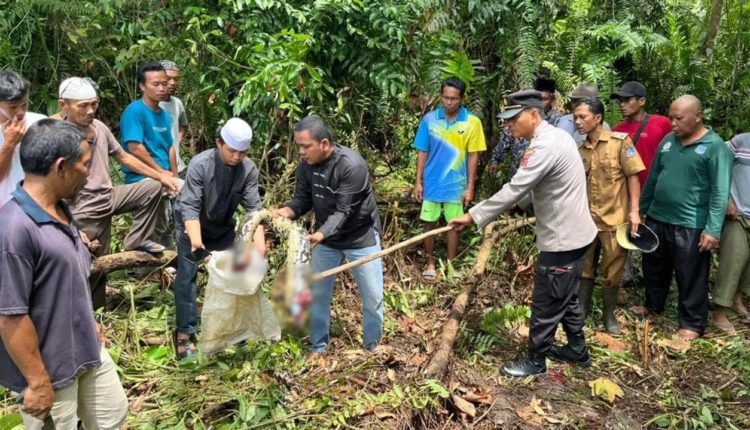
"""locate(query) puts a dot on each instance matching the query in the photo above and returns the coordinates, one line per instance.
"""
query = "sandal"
(151, 247)
(187, 345)
(429, 275)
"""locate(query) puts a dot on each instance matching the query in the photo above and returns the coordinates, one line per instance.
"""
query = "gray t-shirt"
(740, 146)
(176, 110)
(44, 272)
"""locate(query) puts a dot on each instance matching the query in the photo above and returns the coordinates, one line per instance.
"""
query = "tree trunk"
(713, 28)
(129, 260)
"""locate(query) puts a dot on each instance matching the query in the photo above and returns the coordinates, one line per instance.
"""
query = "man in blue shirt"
(147, 134)
(449, 141)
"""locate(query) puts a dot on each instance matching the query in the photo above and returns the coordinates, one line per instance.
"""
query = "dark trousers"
(555, 299)
(678, 252)
(185, 287)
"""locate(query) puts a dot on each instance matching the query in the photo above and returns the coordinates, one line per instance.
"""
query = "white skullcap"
(237, 134)
(77, 89)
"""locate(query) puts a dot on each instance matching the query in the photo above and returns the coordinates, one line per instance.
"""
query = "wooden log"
(128, 260)
(438, 364)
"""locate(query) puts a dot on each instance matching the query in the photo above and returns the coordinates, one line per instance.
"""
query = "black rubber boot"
(609, 297)
(574, 352)
(585, 290)
(534, 365)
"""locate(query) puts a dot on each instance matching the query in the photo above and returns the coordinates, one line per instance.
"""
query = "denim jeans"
(185, 288)
(369, 277)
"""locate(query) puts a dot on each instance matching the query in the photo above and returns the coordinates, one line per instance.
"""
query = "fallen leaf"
(201, 378)
(417, 359)
(522, 268)
(485, 398)
(612, 344)
(464, 406)
(522, 331)
(675, 344)
(154, 340)
(391, 374)
(529, 416)
(383, 414)
(606, 389)
(536, 405)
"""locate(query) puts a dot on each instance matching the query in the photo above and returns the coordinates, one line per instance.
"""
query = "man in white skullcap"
(95, 205)
(176, 110)
(217, 182)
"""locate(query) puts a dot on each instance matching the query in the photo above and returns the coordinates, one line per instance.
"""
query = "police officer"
(612, 166)
(552, 172)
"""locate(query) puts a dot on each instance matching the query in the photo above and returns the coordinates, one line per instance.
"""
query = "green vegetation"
(372, 67)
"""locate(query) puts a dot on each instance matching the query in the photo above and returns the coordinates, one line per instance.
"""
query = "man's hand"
(169, 183)
(461, 222)
(284, 212)
(635, 220)
(732, 212)
(708, 242)
(418, 192)
(13, 132)
(493, 169)
(315, 238)
(38, 399)
(468, 196)
(100, 334)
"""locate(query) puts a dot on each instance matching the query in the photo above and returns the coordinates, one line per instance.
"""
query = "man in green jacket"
(685, 200)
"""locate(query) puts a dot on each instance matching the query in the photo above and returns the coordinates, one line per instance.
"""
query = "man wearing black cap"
(645, 130)
(551, 172)
(517, 146)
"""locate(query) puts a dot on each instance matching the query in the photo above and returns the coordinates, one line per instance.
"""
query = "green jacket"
(689, 185)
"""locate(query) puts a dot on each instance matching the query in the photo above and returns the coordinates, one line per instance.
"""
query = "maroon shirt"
(657, 127)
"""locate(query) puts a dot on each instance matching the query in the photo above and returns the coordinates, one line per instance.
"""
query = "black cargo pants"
(555, 298)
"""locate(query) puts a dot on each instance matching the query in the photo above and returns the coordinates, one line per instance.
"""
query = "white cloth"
(553, 173)
(176, 110)
(8, 184)
(237, 134)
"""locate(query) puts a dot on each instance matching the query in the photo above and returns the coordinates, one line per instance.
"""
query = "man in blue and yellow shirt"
(449, 140)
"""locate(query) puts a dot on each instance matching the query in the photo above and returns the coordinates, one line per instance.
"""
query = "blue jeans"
(369, 277)
(185, 288)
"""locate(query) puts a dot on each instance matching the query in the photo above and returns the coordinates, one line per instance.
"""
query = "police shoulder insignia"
(630, 151)
(619, 135)
(525, 160)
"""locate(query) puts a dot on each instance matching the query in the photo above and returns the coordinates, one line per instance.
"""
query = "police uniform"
(608, 164)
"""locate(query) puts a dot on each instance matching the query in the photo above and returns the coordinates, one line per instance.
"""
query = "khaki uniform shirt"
(608, 164)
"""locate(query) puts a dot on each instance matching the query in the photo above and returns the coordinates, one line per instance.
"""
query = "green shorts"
(431, 211)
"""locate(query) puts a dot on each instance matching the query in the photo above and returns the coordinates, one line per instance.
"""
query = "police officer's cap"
(516, 102)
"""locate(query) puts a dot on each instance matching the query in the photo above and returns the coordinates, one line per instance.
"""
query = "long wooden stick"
(361, 261)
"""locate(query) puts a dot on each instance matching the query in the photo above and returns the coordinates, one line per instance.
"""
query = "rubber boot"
(535, 364)
(609, 297)
(574, 352)
(585, 290)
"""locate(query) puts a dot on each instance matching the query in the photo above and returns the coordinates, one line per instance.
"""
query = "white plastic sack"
(235, 308)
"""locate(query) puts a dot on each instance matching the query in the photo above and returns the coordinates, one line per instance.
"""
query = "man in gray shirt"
(552, 172)
(217, 182)
(52, 348)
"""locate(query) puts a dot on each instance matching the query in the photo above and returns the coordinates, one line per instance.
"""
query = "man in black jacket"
(334, 182)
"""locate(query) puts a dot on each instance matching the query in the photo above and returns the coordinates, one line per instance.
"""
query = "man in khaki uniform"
(612, 165)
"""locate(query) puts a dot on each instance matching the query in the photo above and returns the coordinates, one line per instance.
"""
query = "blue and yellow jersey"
(447, 144)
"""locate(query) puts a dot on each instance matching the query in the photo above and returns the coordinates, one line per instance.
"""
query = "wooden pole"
(361, 261)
